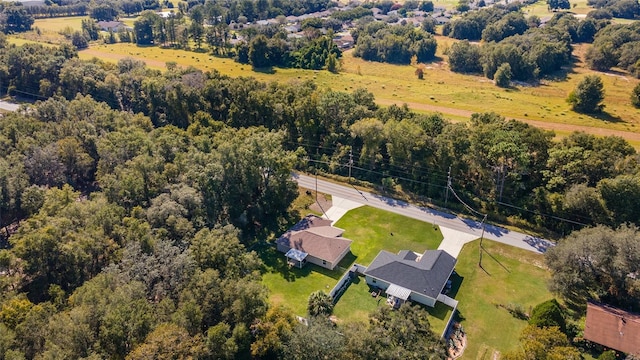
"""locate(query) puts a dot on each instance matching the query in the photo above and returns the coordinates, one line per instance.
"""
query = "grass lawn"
(369, 228)
(373, 230)
(356, 303)
(510, 276)
(292, 286)
(58, 24)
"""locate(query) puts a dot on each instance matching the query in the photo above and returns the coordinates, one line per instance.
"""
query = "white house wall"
(377, 282)
(422, 299)
(314, 260)
(319, 262)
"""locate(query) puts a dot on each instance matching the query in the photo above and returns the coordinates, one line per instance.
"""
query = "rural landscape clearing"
(317, 179)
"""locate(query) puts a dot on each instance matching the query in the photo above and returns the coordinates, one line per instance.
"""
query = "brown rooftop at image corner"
(613, 328)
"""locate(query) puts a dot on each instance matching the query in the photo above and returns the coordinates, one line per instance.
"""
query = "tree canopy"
(597, 263)
(588, 95)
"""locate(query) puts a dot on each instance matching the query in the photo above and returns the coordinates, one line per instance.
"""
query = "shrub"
(608, 355)
(503, 75)
(635, 96)
(548, 314)
(320, 304)
(587, 95)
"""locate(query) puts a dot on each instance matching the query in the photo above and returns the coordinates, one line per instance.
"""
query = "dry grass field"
(55, 25)
(456, 96)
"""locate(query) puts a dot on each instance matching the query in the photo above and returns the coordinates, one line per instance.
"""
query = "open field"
(541, 9)
(452, 94)
(58, 24)
(511, 276)
(578, 7)
(373, 230)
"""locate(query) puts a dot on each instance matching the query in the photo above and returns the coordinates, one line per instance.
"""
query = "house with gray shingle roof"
(112, 25)
(409, 276)
(314, 240)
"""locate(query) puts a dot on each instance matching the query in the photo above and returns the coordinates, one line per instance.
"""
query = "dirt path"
(541, 124)
(418, 106)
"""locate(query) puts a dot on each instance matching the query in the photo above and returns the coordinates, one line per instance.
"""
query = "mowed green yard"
(291, 287)
(370, 229)
(373, 230)
(510, 276)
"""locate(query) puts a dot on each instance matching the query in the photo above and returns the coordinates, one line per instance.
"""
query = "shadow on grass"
(355, 281)
(439, 311)
(275, 262)
(563, 73)
(347, 261)
(576, 307)
(605, 116)
(496, 260)
(436, 59)
(265, 70)
(456, 283)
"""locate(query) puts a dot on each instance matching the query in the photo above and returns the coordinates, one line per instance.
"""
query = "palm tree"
(320, 303)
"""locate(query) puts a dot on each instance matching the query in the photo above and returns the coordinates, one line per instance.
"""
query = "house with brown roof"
(612, 327)
(314, 240)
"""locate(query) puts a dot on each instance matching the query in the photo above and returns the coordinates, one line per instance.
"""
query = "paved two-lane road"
(492, 232)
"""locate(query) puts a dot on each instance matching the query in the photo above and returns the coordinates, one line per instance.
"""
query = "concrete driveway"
(462, 230)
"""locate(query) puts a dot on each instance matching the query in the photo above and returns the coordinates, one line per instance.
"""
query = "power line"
(386, 161)
(422, 171)
(542, 214)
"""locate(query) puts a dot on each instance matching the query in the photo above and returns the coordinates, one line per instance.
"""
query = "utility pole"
(316, 183)
(446, 197)
(484, 219)
(350, 163)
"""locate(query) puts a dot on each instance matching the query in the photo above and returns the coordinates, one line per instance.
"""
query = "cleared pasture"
(441, 90)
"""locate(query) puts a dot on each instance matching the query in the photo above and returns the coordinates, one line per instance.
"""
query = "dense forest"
(508, 168)
(132, 200)
(378, 41)
(531, 51)
(129, 243)
(215, 10)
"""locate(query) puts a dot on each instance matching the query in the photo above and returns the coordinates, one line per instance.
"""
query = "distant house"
(166, 14)
(441, 20)
(314, 240)
(114, 26)
(293, 28)
(409, 276)
(612, 327)
(343, 40)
